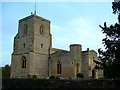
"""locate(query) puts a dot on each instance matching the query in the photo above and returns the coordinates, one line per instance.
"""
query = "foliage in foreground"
(79, 75)
(57, 83)
(6, 71)
(110, 57)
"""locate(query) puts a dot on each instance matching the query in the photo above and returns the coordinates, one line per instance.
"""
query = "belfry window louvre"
(25, 29)
(41, 29)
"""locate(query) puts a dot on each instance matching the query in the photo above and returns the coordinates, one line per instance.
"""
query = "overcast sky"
(71, 23)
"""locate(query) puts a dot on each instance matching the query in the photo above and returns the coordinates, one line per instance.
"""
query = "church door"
(94, 73)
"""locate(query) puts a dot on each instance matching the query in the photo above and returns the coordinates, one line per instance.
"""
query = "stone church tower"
(32, 45)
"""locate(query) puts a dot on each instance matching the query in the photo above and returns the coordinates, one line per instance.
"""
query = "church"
(33, 54)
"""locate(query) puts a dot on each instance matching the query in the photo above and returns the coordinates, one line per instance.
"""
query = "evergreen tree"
(111, 56)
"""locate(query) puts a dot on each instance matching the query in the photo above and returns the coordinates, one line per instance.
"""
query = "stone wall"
(66, 62)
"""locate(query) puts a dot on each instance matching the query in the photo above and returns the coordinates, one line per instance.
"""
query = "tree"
(1, 72)
(110, 57)
(6, 71)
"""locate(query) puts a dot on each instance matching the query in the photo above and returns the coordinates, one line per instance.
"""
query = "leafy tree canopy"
(111, 56)
(6, 71)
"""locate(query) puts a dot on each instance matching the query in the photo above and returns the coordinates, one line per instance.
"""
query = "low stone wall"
(47, 83)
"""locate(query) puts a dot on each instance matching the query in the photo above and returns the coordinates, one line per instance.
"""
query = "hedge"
(58, 83)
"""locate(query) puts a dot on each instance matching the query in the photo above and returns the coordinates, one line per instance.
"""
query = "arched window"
(25, 29)
(59, 68)
(41, 29)
(77, 68)
(24, 62)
